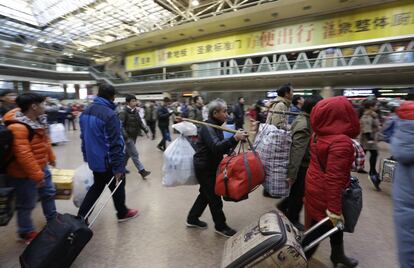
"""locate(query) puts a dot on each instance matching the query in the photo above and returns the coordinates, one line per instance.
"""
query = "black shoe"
(375, 181)
(338, 257)
(160, 148)
(226, 232)
(196, 224)
(144, 173)
(127, 171)
(362, 171)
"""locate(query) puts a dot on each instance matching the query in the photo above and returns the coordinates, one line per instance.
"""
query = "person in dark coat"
(238, 113)
(402, 149)
(210, 148)
(164, 123)
(7, 101)
(131, 127)
(335, 123)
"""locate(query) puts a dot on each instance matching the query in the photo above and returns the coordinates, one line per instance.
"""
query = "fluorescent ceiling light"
(195, 3)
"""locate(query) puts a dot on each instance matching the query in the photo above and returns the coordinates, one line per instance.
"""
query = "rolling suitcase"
(271, 242)
(61, 240)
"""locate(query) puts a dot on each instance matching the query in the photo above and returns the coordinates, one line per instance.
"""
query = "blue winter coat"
(102, 142)
(402, 148)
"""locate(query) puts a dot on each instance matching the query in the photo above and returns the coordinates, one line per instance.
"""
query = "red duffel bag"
(239, 174)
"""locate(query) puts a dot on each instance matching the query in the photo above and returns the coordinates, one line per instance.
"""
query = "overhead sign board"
(379, 22)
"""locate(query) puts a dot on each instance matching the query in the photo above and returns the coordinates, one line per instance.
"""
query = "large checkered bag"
(273, 146)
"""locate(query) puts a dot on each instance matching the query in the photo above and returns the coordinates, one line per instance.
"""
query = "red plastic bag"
(238, 175)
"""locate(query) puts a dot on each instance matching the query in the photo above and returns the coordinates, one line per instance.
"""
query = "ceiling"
(79, 26)
(281, 11)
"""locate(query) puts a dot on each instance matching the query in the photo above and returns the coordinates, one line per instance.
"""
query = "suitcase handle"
(339, 226)
(104, 205)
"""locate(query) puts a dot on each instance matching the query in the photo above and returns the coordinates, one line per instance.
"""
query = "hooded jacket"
(402, 149)
(102, 142)
(279, 104)
(335, 123)
(29, 157)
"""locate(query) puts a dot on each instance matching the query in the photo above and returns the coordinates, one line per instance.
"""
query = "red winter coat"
(334, 122)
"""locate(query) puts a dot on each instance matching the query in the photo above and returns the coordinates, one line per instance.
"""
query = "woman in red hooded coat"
(335, 123)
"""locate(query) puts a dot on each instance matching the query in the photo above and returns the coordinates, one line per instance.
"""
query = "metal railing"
(397, 57)
(39, 65)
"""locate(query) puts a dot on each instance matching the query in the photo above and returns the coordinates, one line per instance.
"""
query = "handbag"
(239, 174)
(351, 204)
(351, 200)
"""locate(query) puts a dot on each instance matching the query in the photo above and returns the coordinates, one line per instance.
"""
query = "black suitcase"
(61, 240)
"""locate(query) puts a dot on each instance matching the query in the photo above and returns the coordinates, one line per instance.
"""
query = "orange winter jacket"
(29, 157)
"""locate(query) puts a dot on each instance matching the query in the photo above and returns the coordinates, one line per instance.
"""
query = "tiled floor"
(158, 237)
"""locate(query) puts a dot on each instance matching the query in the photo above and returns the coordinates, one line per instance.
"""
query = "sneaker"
(196, 224)
(375, 181)
(144, 173)
(27, 237)
(132, 213)
(226, 232)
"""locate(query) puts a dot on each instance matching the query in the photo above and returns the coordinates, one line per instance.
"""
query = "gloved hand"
(335, 219)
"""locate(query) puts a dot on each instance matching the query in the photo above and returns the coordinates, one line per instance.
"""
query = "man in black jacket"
(239, 113)
(131, 127)
(210, 148)
(164, 122)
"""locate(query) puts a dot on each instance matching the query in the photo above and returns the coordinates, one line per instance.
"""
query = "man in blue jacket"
(103, 149)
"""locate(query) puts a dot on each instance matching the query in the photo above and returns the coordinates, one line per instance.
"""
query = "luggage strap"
(104, 205)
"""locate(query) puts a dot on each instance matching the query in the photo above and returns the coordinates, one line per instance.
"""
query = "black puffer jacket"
(131, 123)
(210, 147)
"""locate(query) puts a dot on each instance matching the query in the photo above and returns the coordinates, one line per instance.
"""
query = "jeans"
(292, 205)
(131, 151)
(165, 136)
(100, 181)
(26, 197)
(207, 196)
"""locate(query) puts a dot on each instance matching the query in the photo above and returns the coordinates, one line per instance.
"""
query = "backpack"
(6, 142)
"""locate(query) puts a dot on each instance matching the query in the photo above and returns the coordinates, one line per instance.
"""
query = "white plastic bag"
(82, 181)
(178, 168)
(186, 128)
(57, 133)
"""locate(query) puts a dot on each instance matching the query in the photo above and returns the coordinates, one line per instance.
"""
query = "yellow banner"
(385, 21)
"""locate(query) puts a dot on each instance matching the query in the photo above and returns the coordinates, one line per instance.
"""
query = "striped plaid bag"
(273, 146)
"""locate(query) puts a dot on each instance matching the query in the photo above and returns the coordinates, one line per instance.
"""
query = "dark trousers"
(151, 125)
(292, 205)
(165, 136)
(207, 196)
(373, 161)
(100, 180)
(336, 239)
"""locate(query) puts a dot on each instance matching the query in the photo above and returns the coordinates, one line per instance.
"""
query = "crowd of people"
(324, 137)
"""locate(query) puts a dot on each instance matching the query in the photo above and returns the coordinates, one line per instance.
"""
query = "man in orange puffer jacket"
(28, 169)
